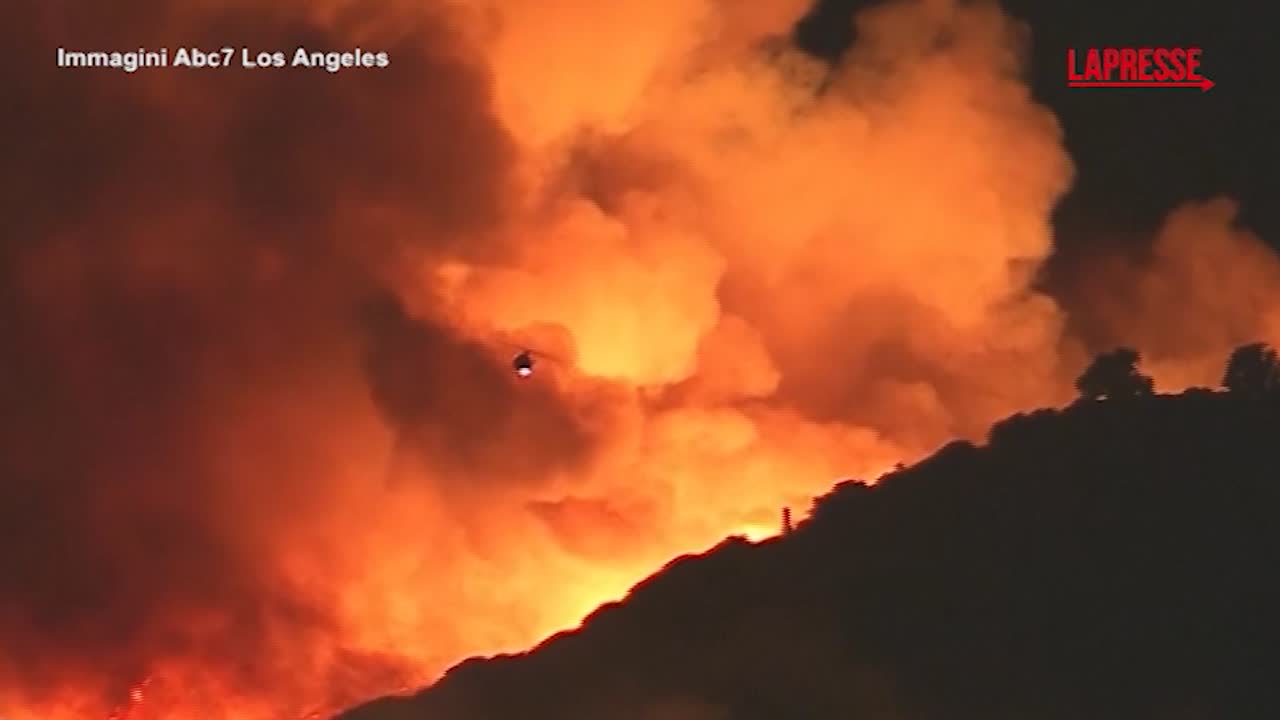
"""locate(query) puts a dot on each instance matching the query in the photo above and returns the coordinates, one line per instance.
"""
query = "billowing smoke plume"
(1205, 286)
(260, 450)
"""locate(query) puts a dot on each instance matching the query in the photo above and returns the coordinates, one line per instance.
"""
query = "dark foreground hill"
(1113, 560)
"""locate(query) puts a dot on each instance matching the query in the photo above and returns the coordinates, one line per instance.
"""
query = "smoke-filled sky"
(260, 446)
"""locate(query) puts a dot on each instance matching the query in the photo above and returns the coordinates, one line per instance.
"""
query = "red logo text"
(1126, 67)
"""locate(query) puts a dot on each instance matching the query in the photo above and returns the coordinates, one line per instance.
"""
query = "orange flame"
(755, 275)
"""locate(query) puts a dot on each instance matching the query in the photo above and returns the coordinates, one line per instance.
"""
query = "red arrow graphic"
(1203, 83)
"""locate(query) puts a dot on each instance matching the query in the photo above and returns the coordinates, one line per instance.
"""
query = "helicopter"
(524, 361)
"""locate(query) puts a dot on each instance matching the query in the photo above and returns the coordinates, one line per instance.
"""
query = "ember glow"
(261, 453)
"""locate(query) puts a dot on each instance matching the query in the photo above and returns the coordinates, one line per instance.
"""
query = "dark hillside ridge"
(1115, 559)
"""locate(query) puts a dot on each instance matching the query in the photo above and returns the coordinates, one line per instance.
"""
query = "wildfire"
(269, 449)
(755, 533)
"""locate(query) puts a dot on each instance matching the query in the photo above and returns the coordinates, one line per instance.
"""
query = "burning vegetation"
(262, 452)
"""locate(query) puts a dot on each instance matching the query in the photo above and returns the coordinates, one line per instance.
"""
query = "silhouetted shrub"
(1114, 375)
(1253, 370)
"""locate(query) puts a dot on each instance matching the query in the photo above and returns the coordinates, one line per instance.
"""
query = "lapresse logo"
(1134, 67)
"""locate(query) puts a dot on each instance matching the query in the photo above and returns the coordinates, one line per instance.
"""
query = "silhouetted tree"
(1253, 370)
(1114, 375)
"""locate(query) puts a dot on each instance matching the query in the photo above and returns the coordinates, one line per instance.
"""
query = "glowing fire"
(755, 533)
(275, 447)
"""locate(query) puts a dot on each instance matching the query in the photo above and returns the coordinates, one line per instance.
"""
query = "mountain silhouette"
(1112, 559)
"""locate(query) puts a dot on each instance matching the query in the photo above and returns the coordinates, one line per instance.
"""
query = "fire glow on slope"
(263, 447)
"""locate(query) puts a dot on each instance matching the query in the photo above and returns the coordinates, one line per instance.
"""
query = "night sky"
(1140, 152)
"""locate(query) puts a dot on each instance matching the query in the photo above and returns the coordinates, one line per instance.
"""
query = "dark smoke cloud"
(184, 254)
(458, 403)
(282, 153)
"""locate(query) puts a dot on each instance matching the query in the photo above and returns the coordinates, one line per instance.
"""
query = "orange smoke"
(1206, 287)
(261, 445)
